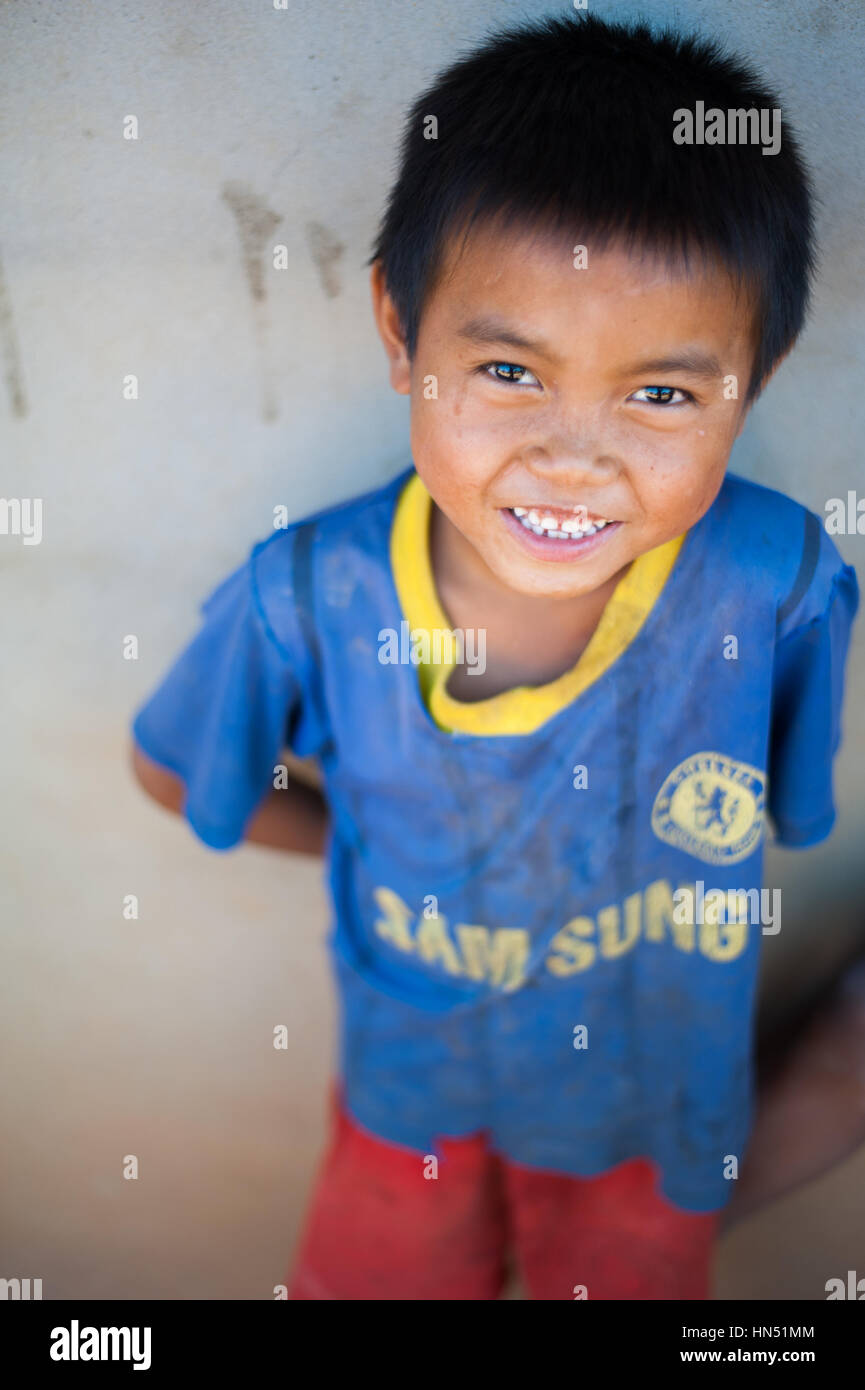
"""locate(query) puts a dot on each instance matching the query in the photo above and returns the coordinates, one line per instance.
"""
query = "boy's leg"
(378, 1229)
(614, 1235)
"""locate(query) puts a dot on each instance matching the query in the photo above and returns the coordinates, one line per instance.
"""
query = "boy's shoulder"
(780, 549)
(355, 519)
(324, 549)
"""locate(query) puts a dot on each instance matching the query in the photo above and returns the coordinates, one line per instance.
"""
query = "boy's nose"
(574, 437)
(566, 467)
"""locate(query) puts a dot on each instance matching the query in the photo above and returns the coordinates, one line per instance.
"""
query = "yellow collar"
(525, 708)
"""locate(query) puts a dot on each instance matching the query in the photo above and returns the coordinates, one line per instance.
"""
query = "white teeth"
(546, 525)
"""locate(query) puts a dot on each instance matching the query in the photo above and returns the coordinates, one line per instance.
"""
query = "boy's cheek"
(449, 454)
(677, 496)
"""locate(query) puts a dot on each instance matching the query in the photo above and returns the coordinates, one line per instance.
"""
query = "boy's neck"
(529, 641)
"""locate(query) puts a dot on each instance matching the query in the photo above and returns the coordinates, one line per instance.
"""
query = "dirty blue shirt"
(535, 934)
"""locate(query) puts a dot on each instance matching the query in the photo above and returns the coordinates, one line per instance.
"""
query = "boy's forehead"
(540, 285)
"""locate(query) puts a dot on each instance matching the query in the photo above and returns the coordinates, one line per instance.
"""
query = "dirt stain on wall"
(9, 352)
(256, 223)
(326, 251)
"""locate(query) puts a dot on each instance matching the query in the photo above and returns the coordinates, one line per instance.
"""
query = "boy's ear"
(390, 331)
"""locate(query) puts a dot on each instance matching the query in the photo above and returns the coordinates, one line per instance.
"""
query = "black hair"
(567, 123)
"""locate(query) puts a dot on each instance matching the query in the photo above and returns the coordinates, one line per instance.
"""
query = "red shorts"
(378, 1228)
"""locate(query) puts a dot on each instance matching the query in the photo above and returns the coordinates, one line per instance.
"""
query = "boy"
(541, 831)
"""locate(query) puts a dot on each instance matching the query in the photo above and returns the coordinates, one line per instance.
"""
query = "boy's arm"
(293, 818)
(208, 739)
(810, 1112)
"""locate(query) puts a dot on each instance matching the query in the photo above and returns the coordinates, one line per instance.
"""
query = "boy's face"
(614, 407)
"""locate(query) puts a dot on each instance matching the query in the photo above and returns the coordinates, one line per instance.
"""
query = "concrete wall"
(153, 1037)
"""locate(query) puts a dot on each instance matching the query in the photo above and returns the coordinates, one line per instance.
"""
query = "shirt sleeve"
(807, 696)
(234, 697)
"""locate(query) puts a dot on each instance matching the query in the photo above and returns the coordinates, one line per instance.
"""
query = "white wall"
(154, 1037)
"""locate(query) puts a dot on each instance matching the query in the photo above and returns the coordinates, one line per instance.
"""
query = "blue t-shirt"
(529, 932)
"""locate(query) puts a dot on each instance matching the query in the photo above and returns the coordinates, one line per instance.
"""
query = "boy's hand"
(294, 818)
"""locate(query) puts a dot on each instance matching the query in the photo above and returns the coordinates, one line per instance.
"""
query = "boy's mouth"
(563, 523)
(558, 533)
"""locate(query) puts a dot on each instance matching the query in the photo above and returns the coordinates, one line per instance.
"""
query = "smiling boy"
(537, 1052)
(585, 428)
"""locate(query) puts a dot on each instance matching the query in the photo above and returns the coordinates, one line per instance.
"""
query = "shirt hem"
(699, 1199)
(216, 837)
(792, 836)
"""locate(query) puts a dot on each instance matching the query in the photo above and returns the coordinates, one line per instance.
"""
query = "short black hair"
(568, 123)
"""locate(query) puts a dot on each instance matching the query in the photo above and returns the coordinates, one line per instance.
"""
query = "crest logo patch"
(711, 807)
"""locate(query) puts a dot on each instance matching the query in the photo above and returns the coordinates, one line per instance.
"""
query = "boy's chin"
(553, 581)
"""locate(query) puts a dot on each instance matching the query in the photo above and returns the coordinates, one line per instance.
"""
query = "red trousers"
(381, 1226)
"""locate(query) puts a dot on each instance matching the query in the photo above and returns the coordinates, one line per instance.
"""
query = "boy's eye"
(661, 395)
(507, 372)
